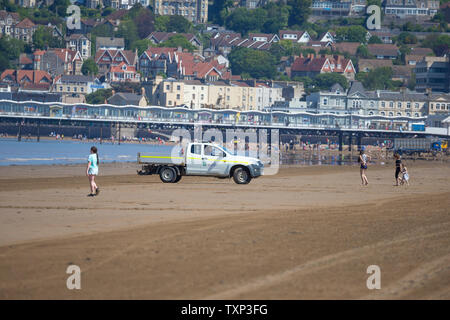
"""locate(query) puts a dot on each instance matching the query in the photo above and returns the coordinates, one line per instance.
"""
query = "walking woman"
(398, 168)
(92, 171)
(363, 160)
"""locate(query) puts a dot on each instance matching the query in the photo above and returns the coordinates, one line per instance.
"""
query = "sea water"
(13, 152)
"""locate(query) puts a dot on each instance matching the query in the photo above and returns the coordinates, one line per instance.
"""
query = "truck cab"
(201, 159)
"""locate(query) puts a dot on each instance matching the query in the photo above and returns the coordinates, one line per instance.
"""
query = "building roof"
(348, 47)
(125, 98)
(25, 24)
(75, 78)
(4, 15)
(110, 42)
(401, 71)
(31, 96)
(34, 76)
(309, 64)
(416, 51)
(130, 56)
(163, 36)
(298, 33)
(120, 68)
(25, 59)
(356, 87)
(373, 63)
(77, 36)
(381, 49)
(119, 14)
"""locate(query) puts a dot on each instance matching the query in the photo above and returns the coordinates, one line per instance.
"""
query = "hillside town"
(304, 56)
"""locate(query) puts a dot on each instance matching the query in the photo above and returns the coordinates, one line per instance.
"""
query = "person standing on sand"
(363, 159)
(398, 168)
(92, 171)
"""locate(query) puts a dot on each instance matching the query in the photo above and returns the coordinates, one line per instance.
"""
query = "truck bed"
(172, 156)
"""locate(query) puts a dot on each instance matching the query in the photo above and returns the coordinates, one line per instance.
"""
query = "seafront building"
(358, 101)
(196, 94)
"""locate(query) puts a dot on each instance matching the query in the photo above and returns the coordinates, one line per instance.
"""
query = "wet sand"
(305, 233)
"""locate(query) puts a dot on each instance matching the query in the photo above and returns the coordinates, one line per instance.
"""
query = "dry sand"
(305, 233)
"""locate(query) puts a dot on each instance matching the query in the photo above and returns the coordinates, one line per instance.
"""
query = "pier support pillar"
(119, 134)
(19, 134)
(341, 141)
(39, 130)
(358, 142)
(350, 142)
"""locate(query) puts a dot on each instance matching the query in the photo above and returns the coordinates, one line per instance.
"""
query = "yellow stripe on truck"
(191, 158)
(158, 157)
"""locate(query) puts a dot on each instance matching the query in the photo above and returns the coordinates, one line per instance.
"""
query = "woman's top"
(398, 162)
(94, 161)
(364, 158)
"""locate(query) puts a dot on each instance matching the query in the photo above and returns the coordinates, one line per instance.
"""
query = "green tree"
(145, 22)
(277, 17)
(141, 45)
(258, 64)
(128, 31)
(4, 62)
(406, 38)
(99, 96)
(176, 41)
(352, 34)
(377, 79)
(89, 67)
(218, 10)
(300, 11)
(43, 39)
(439, 43)
(375, 39)
(161, 23)
(59, 7)
(363, 52)
(244, 20)
(11, 48)
(179, 24)
(326, 80)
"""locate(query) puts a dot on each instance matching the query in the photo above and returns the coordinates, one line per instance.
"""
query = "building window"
(408, 105)
(391, 104)
(178, 87)
(178, 97)
(399, 104)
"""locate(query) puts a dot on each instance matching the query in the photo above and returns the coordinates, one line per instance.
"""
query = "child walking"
(92, 171)
(405, 176)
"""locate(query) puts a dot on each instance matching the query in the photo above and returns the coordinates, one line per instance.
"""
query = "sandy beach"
(305, 233)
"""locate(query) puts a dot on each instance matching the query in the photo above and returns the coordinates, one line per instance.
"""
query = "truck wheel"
(168, 175)
(178, 178)
(241, 176)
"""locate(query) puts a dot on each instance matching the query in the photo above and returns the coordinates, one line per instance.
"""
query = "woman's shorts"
(93, 172)
(364, 166)
(397, 172)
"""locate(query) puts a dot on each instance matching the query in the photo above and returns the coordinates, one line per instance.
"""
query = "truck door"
(194, 162)
(215, 159)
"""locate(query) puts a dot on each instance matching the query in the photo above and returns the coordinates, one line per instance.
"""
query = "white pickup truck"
(200, 159)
